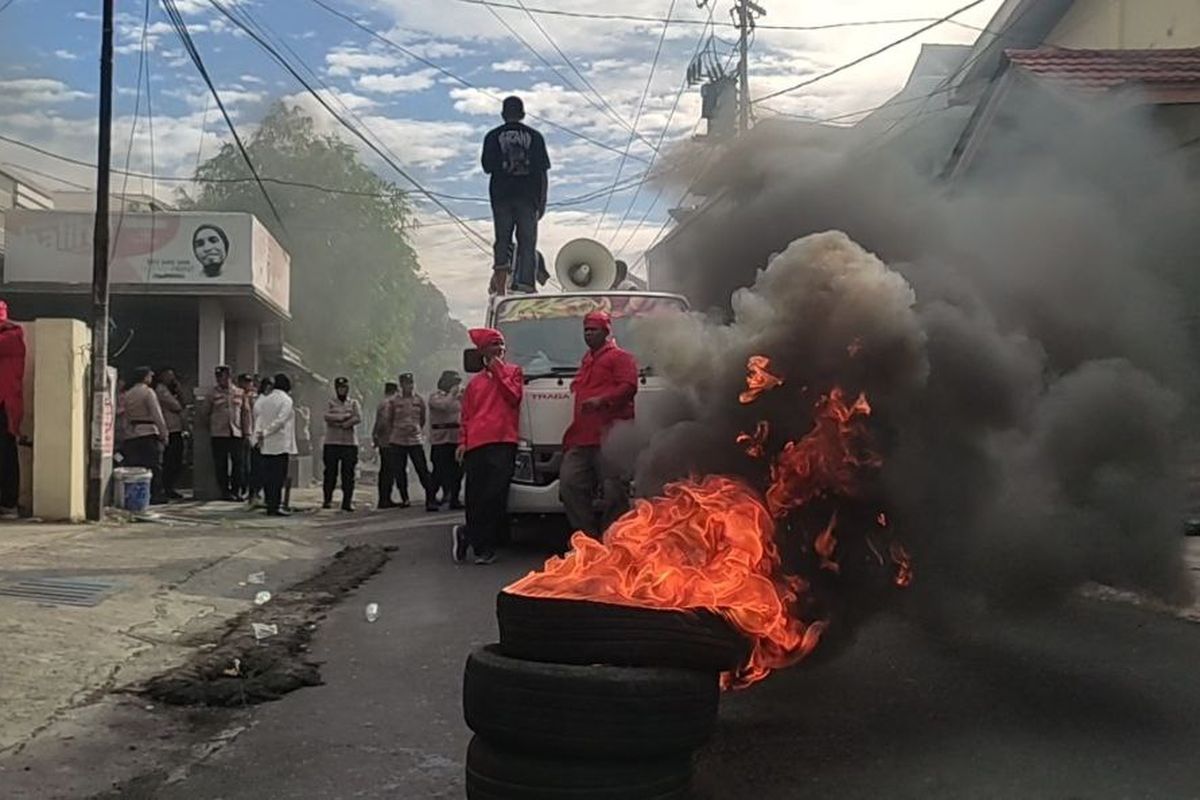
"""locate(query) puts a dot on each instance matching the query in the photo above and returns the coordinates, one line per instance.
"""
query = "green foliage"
(359, 304)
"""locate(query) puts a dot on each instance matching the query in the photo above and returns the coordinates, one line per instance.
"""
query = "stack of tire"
(592, 701)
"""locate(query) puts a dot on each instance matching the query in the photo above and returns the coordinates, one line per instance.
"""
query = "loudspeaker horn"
(586, 265)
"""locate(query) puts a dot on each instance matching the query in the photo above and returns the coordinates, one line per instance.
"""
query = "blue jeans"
(520, 216)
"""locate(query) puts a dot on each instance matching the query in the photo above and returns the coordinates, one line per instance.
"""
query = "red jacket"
(12, 375)
(491, 406)
(609, 374)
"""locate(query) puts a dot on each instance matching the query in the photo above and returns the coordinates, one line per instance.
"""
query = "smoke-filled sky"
(433, 124)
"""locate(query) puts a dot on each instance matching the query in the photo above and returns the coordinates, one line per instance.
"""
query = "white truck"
(544, 334)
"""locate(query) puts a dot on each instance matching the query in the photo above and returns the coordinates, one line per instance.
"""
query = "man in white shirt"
(275, 437)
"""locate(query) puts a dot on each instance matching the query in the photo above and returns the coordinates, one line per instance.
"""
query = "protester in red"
(604, 390)
(12, 409)
(488, 446)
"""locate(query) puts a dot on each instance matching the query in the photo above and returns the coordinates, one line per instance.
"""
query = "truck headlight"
(523, 467)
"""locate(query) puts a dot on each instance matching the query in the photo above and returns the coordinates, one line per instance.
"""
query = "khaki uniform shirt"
(172, 408)
(381, 432)
(227, 412)
(406, 425)
(444, 411)
(143, 416)
(341, 418)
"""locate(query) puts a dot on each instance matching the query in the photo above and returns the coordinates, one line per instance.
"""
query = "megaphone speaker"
(586, 265)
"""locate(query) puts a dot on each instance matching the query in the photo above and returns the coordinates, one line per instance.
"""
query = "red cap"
(484, 337)
(598, 319)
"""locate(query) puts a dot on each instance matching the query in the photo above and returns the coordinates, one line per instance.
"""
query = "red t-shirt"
(609, 374)
(491, 406)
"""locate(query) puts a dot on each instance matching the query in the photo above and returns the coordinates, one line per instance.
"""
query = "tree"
(359, 304)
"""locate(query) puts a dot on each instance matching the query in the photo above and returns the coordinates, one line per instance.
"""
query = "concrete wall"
(1129, 25)
(60, 436)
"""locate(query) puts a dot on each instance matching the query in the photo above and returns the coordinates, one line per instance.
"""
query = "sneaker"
(9, 513)
(485, 559)
(327, 504)
(348, 507)
(458, 550)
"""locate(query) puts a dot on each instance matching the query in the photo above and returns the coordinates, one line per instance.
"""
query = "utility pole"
(95, 492)
(746, 12)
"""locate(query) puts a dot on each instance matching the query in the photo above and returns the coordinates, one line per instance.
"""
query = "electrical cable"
(180, 26)
(662, 136)
(602, 107)
(637, 117)
(557, 12)
(613, 113)
(137, 107)
(464, 82)
(477, 239)
(868, 56)
(577, 200)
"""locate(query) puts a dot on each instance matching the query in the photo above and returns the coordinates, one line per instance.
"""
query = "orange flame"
(827, 459)
(755, 443)
(904, 570)
(825, 544)
(707, 543)
(758, 379)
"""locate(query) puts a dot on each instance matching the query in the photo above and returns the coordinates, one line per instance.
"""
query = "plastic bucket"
(131, 489)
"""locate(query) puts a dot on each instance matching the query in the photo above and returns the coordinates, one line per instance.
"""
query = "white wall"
(1129, 25)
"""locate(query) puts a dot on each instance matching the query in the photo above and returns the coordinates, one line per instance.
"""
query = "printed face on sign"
(211, 247)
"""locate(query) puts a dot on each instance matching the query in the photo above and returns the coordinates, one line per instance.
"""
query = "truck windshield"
(545, 334)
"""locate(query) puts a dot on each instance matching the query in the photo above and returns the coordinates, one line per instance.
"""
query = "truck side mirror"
(472, 361)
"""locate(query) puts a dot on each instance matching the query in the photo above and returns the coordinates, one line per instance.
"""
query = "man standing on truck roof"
(515, 157)
(487, 446)
(604, 390)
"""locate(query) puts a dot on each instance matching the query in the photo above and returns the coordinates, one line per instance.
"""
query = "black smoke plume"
(1021, 332)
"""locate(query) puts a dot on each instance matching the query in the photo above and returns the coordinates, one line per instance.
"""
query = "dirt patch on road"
(244, 670)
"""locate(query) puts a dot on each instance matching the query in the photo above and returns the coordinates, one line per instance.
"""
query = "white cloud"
(338, 99)
(65, 55)
(512, 65)
(31, 92)
(397, 84)
(343, 62)
(86, 16)
(250, 79)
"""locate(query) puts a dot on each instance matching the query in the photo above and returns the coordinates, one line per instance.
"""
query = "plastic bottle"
(372, 612)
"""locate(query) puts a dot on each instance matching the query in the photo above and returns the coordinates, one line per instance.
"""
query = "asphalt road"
(1097, 701)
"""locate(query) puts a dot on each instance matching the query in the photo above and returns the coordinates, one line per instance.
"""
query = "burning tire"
(498, 774)
(588, 712)
(584, 632)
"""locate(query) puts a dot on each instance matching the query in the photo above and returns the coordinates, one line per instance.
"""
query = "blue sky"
(431, 122)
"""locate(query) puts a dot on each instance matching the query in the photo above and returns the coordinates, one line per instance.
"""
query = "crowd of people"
(251, 424)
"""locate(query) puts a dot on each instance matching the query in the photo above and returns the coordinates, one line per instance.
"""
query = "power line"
(872, 54)
(558, 12)
(137, 107)
(661, 138)
(637, 117)
(603, 107)
(613, 113)
(180, 26)
(572, 201)
(463, 81)
(471, 234)
(4, 7)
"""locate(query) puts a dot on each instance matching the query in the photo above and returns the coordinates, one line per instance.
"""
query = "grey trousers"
(593, 492)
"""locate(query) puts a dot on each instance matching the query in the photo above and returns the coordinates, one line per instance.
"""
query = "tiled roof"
(1108, 69)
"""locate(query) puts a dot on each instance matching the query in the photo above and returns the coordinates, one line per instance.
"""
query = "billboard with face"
(196, 250)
